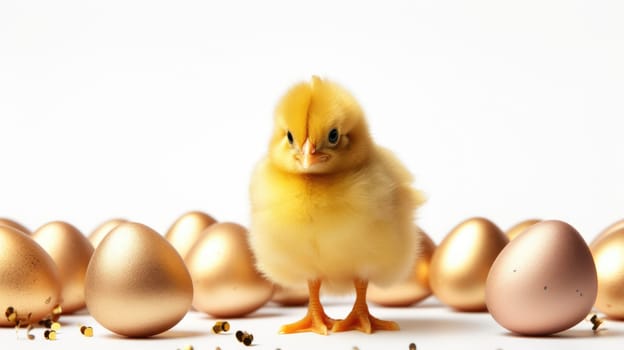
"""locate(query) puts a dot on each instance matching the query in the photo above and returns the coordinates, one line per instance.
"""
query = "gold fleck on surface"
(86, 331)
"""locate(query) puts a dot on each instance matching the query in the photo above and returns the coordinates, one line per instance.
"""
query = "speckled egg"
(543, 282)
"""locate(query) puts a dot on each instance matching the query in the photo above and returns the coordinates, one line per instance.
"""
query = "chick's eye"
(290, 138)
(333, 136)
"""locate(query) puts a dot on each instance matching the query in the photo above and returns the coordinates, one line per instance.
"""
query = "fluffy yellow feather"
(329, 206)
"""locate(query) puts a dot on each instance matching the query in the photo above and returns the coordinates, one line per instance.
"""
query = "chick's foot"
(364, 322)
(360, 318)
(315, 320)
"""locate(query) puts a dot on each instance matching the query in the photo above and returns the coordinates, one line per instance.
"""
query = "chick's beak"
(310, 156)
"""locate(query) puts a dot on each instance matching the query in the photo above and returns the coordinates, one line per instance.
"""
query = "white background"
(148, 109)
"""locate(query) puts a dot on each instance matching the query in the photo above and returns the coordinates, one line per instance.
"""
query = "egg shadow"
(436, 325)
(571, 334)
(257, 314)
(179, 334)
(428, 303)
(171, 334)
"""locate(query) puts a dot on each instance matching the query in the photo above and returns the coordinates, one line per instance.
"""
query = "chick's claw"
(312, 322)
(364, 322)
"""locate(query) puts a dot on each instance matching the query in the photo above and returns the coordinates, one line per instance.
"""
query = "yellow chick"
(330, 207)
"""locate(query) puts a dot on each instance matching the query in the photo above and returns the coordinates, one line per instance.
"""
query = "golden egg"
(616, 226)
(71, 252)
(460, 264)
(290, 296)
(101, 231)
(225, 278)
(520, 227)
(14, 224)
(187, 229)
(415, 288)
(542, 282)
(29, 279)
(137, 284)
(609, 258)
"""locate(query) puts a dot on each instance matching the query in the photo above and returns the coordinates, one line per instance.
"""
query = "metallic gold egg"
(415, 288)
(608, 255)
(460, 265)
(101, 231)
(225, 278)
(616, 226)
(520, 227)
(29, 279)
(71, 252)
(542, 282)
(187, 229)
(290, 296)
(137, 284)
(14, 224)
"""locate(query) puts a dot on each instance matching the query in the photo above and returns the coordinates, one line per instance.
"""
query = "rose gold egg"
(616, 226)
(608, 255)
(137, 284)
(187, 229)
(290, 296)
(520, 227)
(71, 252)
(14, 224)
(543, 282)
(29, 279)
(101, 231)
(460, 264)
(225, 279)
(413, 289)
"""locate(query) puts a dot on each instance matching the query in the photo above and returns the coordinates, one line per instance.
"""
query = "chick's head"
(319, 129)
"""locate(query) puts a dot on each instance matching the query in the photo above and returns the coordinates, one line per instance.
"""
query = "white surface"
(147, 109)
(429, 326)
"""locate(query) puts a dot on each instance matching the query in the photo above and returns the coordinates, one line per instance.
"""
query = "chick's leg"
(315, 320)
(359, 318)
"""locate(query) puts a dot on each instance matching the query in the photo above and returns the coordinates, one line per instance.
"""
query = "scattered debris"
(244, 337)
(49, 334)
(86, 331)
(221, 326)
(596, 322)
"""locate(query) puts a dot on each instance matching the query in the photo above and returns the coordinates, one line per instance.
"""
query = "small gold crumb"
(247, 340)
(355, 348)
(412, 346)
(244, 337)
(48, 300)
(46, 322)
(50, 334)
(188, 347)
(86, 331)
(11, 314)
(221, 326)
(596, 322)
(55, 326)
(218, 348)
